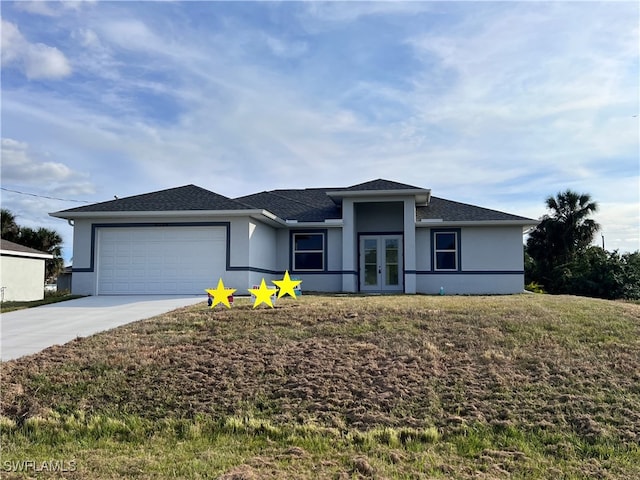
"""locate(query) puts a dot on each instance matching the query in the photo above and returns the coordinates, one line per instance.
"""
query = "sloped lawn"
(525, 386)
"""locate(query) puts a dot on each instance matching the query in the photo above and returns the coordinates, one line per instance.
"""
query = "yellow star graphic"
(262, 294)
(221, 294)
(287, 285)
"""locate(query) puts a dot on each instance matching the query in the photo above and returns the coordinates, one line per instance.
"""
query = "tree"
(48, 241)
(42, 239)
(555, 243)
(598, 273)
(573, 229)
(10, 229)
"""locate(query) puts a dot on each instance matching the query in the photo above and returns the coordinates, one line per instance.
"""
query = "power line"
(43, 196)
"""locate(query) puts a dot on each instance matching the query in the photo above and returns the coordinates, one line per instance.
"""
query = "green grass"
(49, 297)
(132, 447)
(526, 386)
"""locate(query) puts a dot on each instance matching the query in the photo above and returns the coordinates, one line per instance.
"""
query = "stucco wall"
(329, 281)
(423, 249)
(334, 250)
(491, 262)
(491, 258)
(22, 278)
(379, 217)
(492, 248)
(471, 284)
(262, 251)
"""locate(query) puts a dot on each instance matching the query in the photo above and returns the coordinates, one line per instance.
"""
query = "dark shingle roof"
(188, 197)
(379, 184)
(309, 205)
(450, 211)
(15, 247)
(313, 204)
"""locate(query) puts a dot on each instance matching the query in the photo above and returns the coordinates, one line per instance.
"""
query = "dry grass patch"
(363, 386)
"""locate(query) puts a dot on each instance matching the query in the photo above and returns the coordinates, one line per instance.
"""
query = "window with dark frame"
(446, 251)
(308, 251)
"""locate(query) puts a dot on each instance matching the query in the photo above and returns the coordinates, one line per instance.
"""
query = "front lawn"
(49, 297)
(524, 386)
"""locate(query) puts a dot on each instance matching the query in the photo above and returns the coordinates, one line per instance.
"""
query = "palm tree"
(10, 229)
(42, 239)
(560, 237)
(574, 231)
(48, 241)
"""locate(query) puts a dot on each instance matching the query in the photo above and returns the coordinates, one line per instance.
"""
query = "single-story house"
(378, 236)
(21, 272)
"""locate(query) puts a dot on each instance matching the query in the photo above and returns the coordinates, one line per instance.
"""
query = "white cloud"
(49, 8)
(36, 60)
(42, 61)
(282, 48)
(540, 89)
(346, 12)
(38, 8)
(35, 188)
(19, 168)
(620, 224)
(132, 34)
(12, 42)
(87, 38)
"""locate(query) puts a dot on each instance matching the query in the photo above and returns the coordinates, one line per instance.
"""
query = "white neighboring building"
(21, 272)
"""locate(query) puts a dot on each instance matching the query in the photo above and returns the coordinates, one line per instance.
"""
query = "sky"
(494, 104)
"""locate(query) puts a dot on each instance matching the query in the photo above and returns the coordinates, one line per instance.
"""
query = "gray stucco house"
(378, 236)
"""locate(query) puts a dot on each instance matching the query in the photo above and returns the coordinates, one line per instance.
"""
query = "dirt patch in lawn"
(540, 363)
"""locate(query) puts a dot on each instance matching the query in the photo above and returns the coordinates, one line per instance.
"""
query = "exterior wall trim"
(467, 272)
(227, 225)
(458, 232)
(10, 253)
(95, 226)
(325, 260)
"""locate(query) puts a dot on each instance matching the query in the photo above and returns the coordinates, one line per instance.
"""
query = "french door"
(381, 263)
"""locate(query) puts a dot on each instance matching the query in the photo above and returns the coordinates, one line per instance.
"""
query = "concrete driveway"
(28, 331)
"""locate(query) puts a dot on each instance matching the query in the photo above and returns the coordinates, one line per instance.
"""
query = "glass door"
(381, 263)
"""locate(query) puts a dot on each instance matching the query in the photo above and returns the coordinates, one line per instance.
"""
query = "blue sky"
(494, 104)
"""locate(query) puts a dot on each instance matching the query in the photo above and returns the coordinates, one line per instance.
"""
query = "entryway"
(381, 263)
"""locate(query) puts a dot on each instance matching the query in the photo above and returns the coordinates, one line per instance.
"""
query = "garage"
(159, 260)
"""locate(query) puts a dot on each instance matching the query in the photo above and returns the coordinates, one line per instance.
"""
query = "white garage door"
(160, 260)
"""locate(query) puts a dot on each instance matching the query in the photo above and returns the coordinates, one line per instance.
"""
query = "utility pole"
(603, 242)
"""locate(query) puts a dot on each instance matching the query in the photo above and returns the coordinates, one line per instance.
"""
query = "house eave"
(328, 223)
(437, 223)
(14, 253)
(422, 195)
(164, 214)
(262, 215)
(267, 217)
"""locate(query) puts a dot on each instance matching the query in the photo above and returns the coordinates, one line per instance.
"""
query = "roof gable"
(379, 184)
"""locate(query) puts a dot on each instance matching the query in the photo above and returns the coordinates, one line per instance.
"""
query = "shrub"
(534, 287)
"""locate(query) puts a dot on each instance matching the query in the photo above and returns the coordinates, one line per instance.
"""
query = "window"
(445, 252)
(308, 251)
